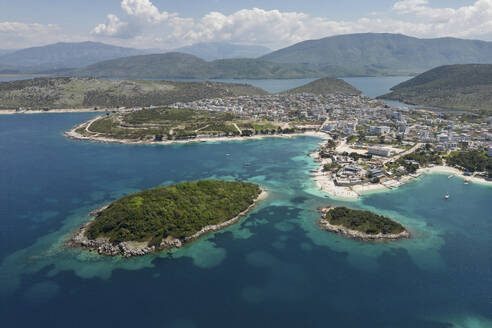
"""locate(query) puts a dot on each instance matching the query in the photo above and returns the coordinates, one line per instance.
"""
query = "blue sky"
(169, 24)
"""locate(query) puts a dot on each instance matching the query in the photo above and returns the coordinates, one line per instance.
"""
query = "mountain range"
(374, 53)
(183, 66)
(65, 55)
(369, 54)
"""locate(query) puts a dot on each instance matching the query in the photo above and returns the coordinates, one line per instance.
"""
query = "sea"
(275, 268)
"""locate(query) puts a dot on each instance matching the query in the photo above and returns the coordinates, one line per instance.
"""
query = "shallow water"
(275, 268)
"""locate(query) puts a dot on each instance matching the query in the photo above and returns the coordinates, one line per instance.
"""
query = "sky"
(170, 24)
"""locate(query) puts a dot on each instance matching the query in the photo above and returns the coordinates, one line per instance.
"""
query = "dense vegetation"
(179, 65)
(363, 221)
(462, 87)
(67, 92)
(376, 54)
(420, 158)
(326, 86)
(471, 161)
(178, 211)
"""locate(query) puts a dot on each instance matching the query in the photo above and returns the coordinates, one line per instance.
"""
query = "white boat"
(446, 196)
(450, 176)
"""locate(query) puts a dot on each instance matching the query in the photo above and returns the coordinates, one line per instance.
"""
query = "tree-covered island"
(361, 225)
(166, 217)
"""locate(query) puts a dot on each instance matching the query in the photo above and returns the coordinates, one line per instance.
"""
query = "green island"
(166, 217)
(361, 225)
(461, 87)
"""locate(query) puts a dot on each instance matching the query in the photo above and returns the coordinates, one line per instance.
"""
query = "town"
(370, 144)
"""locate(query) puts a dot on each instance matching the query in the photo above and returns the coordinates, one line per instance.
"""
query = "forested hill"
(326, 86)
(374, 53)
(66, 92)
(455, 86)
(180, 65)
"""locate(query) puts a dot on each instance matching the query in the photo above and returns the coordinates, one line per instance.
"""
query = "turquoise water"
(275, 268)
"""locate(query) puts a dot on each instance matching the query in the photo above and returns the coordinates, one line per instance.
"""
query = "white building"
(380, 151)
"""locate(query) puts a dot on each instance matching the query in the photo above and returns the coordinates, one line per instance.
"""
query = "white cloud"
(113, 27)
(145, 10)
(145, 23)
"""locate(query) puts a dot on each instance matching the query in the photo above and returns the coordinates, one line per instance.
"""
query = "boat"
(228, 154)
(446, 196)
(467, 182)
(450, 176)
(247, 164)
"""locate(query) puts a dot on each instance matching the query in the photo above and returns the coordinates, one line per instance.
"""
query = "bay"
(275, 268)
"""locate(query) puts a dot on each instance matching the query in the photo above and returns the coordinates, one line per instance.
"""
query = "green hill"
(179, 65)
(372, 53)
(462, 87)
(65, 92)
(326, 86)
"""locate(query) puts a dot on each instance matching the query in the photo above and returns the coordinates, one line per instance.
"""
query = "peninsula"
(361, 225)
(459, 87)
(166, 217)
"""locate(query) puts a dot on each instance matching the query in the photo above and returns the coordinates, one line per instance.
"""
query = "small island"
(166, 217)
(361, 225)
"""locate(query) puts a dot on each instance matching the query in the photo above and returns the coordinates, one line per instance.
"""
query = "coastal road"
(397, 157)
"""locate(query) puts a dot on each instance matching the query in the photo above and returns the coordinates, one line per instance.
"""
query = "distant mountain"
(179, 65)
(222, 50)
(65, 55)
(66, 92)
(326, 85)
(454, 86)
(5, 51)
(375, 54)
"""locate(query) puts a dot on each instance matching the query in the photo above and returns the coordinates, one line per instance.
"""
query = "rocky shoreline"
(130, 249)
(357, 235)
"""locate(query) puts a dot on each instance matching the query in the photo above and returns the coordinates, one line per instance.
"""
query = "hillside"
(456, 87)
(63, 55)
(372, 53)
(223, 50)
(326, 86)
(64, 92)
(179, 65)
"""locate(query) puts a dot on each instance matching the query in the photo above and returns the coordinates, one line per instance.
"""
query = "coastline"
(357, 235)
(325, 182)
(72, 134)
(130, 249)
(56, 111)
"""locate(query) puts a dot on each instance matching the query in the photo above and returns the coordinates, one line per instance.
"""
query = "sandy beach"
(325, 182)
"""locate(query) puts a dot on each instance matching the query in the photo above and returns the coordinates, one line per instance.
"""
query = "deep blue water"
(274, 269)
